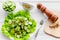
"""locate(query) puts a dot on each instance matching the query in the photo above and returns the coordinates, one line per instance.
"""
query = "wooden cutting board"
(55, 32)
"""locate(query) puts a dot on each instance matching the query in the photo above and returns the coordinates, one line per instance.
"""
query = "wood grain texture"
(55, 32)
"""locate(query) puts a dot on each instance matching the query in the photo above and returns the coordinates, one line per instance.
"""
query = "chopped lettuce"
(18, 25)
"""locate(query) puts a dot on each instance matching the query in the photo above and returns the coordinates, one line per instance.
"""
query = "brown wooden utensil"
(51, 27)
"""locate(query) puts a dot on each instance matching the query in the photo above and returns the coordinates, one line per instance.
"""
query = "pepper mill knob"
(50, 14)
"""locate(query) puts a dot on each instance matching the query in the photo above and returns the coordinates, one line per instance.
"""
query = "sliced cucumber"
(9, 6)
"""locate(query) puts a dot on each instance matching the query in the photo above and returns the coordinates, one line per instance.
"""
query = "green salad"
(19, 25)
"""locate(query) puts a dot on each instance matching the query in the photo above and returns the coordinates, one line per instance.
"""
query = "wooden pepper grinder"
(52, 29)
(50, 14)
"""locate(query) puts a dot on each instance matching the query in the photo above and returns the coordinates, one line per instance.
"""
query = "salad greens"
(9, 6)
(18, 25)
